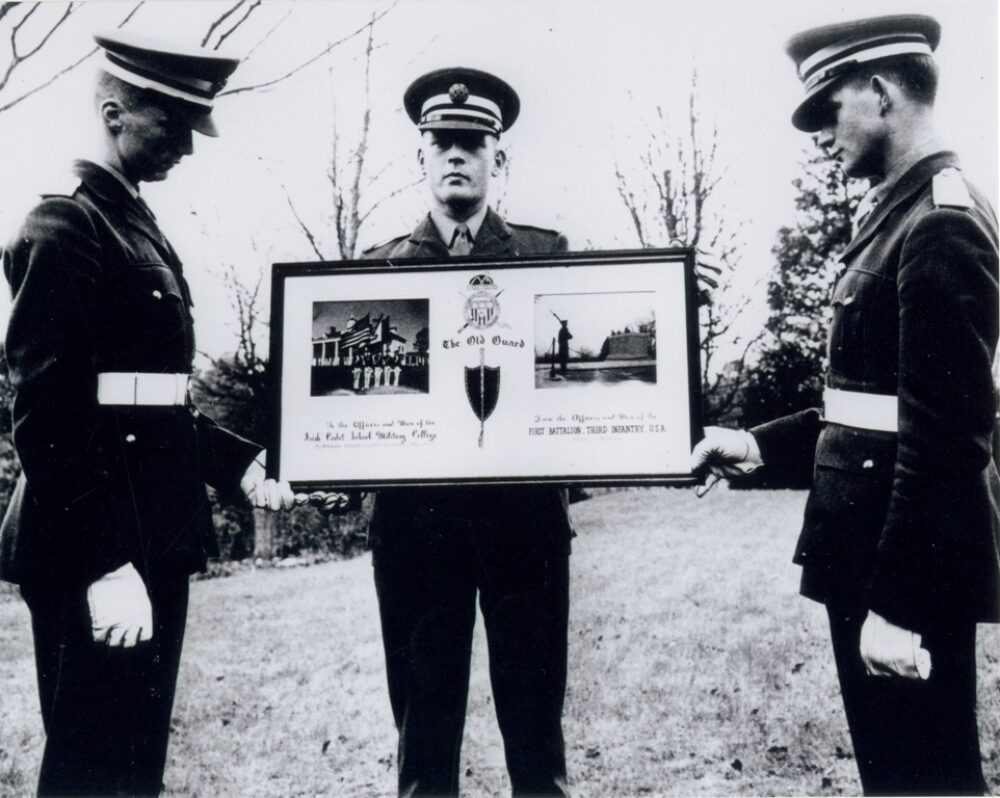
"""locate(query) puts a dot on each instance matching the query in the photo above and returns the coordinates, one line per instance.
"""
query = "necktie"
(461, 241)
(868, 204)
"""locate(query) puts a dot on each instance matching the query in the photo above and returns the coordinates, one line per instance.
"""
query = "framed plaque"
(569, 368)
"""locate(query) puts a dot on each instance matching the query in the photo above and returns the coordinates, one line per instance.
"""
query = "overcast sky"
(590, 73)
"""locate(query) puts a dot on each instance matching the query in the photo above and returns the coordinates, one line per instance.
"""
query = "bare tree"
(236, 390)
(30, 30)
(349, 175)
(327, 49)
(668, 207)
(335, 237)
(219, 25)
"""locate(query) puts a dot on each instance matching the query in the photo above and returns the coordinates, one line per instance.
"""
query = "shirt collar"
(446, 225)
(902, 165)
(129, 186)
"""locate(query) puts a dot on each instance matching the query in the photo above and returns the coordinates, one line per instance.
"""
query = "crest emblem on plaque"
(482, 386)
(482, 308)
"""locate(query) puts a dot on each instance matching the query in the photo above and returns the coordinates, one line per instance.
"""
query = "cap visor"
(196, 117)
(807, 117)
(456, 125)
(204, 124)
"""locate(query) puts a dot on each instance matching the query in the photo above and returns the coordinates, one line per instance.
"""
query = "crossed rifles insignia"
(482, 308)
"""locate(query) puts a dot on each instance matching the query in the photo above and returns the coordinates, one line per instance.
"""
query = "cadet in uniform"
(564, 338)
(900, 537)
(434, 549)
(110, 514)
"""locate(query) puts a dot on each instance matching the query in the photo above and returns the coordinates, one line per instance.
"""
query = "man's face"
(151, 141)
(853, 130)
(458, 165)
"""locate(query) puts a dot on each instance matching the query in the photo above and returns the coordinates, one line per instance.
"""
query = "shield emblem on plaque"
(482, 386)
(481, 310)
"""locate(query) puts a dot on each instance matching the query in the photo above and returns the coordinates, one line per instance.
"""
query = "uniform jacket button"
(868, 465)
(848, 300)
(157, 294)
(130, 438)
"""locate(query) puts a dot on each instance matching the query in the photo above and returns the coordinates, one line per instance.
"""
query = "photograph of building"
(383, 351)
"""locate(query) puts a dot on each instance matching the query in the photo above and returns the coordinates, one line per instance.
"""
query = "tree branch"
(16, 57)
(362, 149)
(266, 36)
(364, 216)
(6, 8)
(629, 200)
(325, 51)
(236, 25)
(219, 20)
(65, 70)
(17, 26)
(308, 233)
(336, 193)
(69, 10)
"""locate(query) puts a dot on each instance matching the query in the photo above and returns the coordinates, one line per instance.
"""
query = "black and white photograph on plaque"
(594, 339)
(376, 347)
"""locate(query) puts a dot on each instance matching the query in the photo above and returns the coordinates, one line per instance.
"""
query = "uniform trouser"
(427, 582)
(106, 712)
(912, 737)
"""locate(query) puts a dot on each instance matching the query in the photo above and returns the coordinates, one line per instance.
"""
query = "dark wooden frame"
(282, 272)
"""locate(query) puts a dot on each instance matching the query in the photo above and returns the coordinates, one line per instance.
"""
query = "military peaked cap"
(826, 54)
(461, 99)
(191, 76)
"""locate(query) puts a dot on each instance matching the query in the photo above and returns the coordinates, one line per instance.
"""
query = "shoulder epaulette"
(535, 229)
(949, 190)
(63, 185)
(388, 242)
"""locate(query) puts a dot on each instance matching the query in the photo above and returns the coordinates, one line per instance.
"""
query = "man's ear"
(420, 160)
(883, 88)
(499, 159)
(111, 111)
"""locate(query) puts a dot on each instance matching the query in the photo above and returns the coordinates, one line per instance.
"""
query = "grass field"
(695, 669)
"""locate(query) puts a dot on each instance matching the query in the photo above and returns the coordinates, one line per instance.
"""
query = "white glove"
(264, 493)
(120, 612)
(725, 453)
(890, 650)
(327, 502)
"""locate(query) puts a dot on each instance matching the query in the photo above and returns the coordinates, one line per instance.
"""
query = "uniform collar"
(103, 183)
(492, 238)
(903, 164)
(915, 178)
(446, 225)
(129, 186)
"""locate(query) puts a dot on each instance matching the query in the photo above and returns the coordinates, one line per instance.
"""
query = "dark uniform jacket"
(908, 522)
(546, 507)
(97, 288)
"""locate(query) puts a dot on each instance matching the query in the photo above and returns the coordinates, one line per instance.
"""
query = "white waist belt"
(873, 411)
(141, 388)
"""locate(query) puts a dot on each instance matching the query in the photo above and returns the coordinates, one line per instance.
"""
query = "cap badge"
(458, 93)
